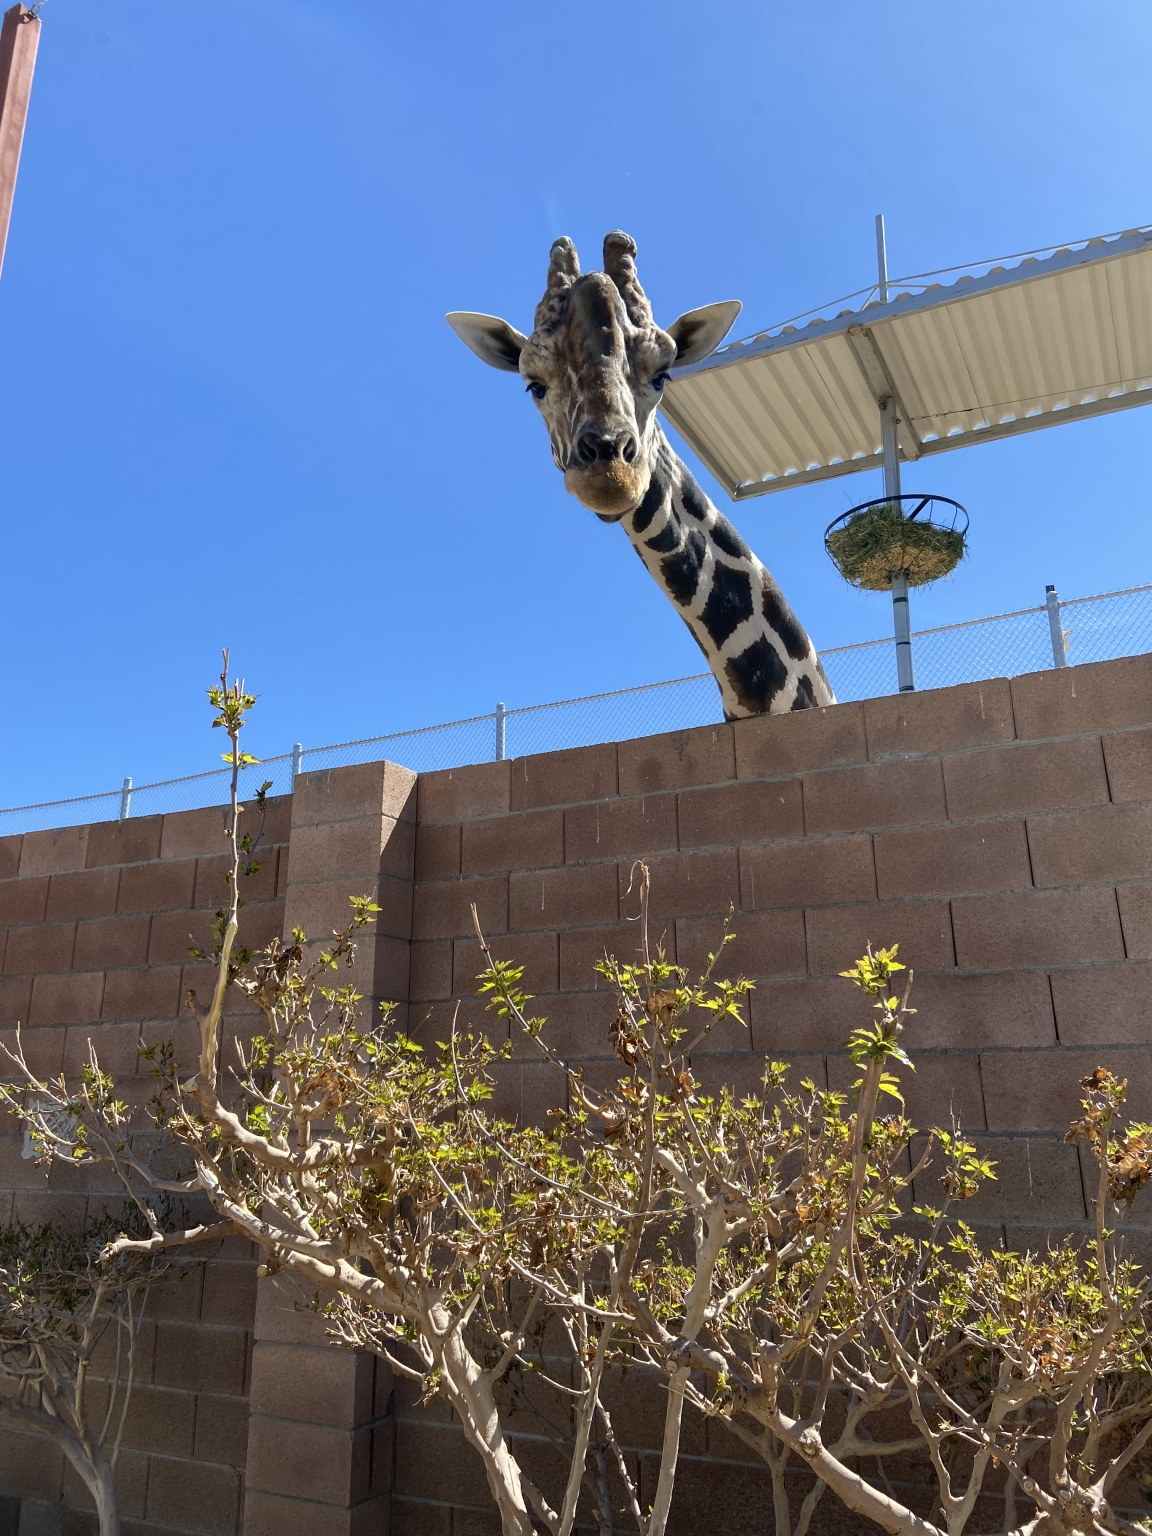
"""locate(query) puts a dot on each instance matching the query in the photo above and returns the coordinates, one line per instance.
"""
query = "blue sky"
(233, 413)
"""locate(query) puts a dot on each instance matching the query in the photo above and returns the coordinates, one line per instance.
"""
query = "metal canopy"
(1017, 348)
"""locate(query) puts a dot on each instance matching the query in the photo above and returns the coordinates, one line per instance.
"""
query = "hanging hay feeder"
(879, 539)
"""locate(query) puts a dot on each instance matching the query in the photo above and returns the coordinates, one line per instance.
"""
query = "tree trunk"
(92, 1466)
(103, 1490)
(471, 1394)
(99, 1478)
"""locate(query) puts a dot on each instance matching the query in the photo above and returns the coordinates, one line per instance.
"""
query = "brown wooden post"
(19, 38)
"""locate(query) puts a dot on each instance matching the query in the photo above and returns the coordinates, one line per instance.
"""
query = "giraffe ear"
(701, 331)
(494, 342)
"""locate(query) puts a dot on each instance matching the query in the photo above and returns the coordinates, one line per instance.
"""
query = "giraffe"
(595, 364)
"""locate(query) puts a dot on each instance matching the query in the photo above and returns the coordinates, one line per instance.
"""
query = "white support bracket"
(879, 380)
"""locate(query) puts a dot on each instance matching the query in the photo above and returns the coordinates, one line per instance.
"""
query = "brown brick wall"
(97, 922)
(1001, 832)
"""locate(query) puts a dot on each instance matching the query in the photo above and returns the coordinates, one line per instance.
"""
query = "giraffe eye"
(659, 381)
(537, 389)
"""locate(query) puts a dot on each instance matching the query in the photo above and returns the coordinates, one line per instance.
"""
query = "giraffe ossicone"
(595, 363)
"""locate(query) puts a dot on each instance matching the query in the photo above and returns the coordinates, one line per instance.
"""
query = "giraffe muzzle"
(610, 487)
(607, 471)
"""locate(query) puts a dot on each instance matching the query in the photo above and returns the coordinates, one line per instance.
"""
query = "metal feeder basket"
(921, 537)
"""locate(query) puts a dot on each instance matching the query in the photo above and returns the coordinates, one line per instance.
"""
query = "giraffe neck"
(759, 654)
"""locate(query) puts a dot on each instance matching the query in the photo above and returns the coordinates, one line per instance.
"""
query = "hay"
(876, 543)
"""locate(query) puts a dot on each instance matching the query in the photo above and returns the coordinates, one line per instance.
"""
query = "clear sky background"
(232, 412)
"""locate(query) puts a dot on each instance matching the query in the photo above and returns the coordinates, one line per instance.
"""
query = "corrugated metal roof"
(1012, 350)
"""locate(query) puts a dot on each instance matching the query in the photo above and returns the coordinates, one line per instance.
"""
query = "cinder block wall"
(97, 922)
(1000, 832)
(320, 1449)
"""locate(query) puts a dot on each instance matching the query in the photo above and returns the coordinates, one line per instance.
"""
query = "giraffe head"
(595, 364)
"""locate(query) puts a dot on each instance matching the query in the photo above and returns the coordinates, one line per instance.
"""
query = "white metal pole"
(297, 761)
(888, 443)
(901, 619)
(126, 800)
(902, 624)
(500, 713)
(1055, 628)
(881, 259)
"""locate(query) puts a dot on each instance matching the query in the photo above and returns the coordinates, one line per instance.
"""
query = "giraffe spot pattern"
(654, 498)
(681, 571)
(780, 617)
(667, 539)
(757, 675)
(694, 499)
(759, 654)
(805, 696)
(729, 540)
(729, 603)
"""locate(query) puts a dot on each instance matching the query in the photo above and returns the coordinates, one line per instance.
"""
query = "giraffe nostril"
(630, 449)
(587, 449)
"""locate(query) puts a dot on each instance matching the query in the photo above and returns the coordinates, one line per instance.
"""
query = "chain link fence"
(1098, 628)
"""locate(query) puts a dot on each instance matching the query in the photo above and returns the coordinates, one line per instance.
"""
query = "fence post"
(1052, 603)
(297, 761)
(126, 800)
(500, 713)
